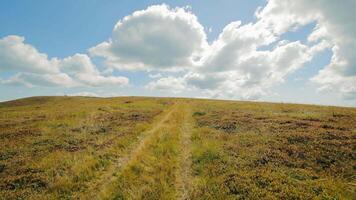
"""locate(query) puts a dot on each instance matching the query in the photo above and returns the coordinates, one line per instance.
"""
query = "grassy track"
(153, 171)
(184, 173)
(101, 185)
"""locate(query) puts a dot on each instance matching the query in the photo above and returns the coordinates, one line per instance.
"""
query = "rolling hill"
(174, 148)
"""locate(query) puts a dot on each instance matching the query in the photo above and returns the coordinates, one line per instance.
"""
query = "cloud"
(252, 74)
(33, 68)
(85, 94)
(15, 55)
(170, 83)
(330, 80)
(84, 71)
(234, 66)
(335, 24)
(153, 76)
(204, 80)
(155, 38)
(48, 80)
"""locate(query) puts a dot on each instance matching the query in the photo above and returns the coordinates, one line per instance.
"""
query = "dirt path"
(184, 170)
(109, 176)
(176, 125)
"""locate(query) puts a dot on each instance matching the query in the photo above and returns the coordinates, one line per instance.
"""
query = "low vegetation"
(166, 148)
(56, 147)
(273, 151)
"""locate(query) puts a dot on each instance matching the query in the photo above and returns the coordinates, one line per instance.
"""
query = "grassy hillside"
(164, 148)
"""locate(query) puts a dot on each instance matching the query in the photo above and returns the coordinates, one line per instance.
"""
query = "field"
(171, 148)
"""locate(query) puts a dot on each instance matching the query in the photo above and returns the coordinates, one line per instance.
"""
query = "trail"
(178, 116)
(109, 176)
(184, 177)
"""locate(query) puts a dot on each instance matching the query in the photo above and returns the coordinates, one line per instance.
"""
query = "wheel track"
(109, 176)
(183, 180)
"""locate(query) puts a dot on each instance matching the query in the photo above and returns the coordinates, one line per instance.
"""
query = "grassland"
(168, 148)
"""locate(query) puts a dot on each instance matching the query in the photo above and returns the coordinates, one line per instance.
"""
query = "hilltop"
(174, 148)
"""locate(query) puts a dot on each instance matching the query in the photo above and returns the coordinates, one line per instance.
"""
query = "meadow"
(175, 148)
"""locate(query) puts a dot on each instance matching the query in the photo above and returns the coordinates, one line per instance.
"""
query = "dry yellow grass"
(166, 148)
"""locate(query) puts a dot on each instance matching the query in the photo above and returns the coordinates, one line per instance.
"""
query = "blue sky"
(62, 29)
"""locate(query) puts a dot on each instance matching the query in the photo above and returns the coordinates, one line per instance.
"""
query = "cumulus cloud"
(33, 79)
(158, 37)
(33, 68)
(84, 71)
(234, 43)
(335, 24)
(330, 80)
(15, 55)
(235, 66)
(204, 80)
(251, 74)
(153, 76)
(85, 94)
(173, 84)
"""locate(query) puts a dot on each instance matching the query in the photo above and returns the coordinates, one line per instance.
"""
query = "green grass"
(273, 151)
(166, 148)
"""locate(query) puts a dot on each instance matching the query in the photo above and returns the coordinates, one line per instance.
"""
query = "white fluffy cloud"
(249, 75)
(335, 24)
(33, 68)
(84, 71)
(173, 84)
(85, 94)
(15, 55)
(33, 79)
(158, 37)
(234, 66)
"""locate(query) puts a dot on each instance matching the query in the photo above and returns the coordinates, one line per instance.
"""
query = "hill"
(171, 148)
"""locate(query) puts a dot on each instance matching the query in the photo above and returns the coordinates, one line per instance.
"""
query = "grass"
(54, 147)
(273, 151)
(166, 148)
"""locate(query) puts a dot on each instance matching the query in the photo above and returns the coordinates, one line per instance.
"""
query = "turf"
(171, 148)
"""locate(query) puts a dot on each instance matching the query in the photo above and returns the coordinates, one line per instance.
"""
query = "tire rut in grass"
(183, 180)
(152, 173)
(111, 174)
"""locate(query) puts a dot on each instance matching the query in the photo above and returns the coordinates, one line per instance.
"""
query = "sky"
(295, 51)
